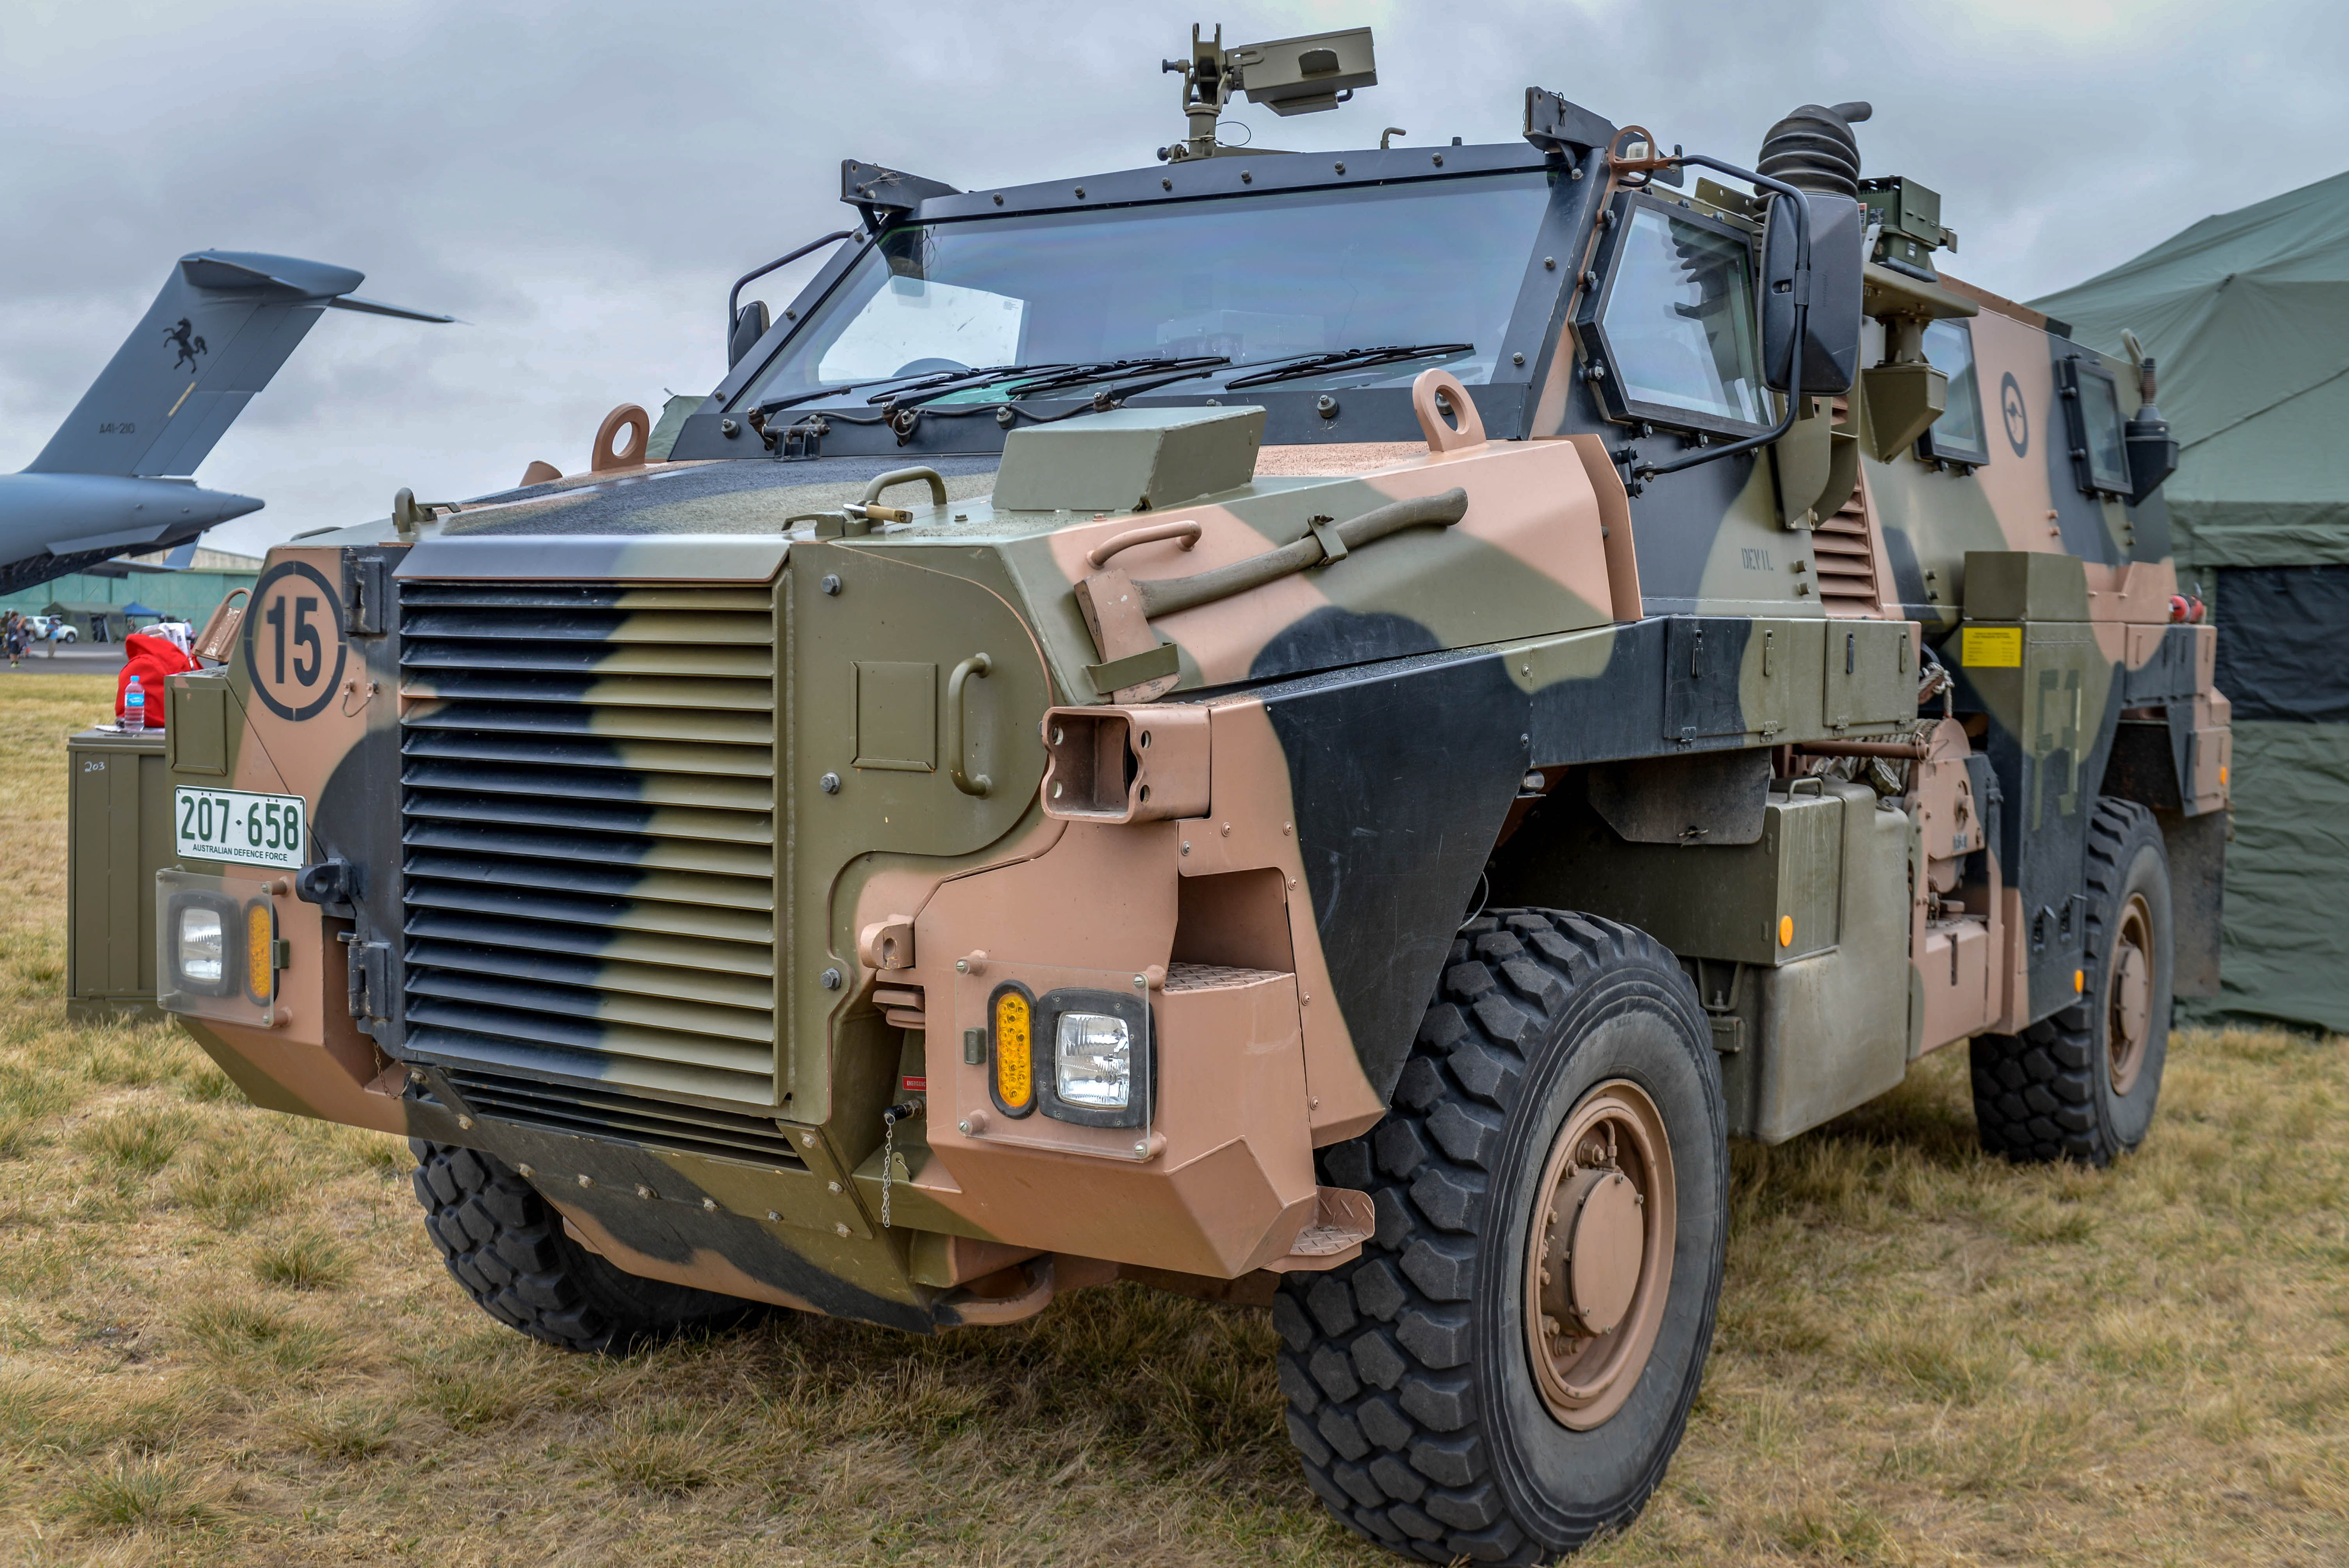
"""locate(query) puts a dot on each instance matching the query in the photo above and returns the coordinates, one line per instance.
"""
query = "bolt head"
(524, 1172)
(829, 783)
(835, 1186)
(643, 1190)
(963, 1127)
(586, 1180)
(829, 979)
(465, 1122)
(842, 1227)
(416, 1074)
(807, 1140)
(962, 965)
(830, 584)
(709, 1205)
(775, 1216)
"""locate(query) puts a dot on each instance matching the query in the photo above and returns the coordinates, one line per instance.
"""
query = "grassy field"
(225, 1339)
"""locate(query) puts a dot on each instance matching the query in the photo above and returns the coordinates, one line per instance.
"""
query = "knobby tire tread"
(504, 1245)
(1374, 1358)
(2035, 1092)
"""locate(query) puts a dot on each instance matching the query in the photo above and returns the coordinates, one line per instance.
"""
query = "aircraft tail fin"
(219, 330)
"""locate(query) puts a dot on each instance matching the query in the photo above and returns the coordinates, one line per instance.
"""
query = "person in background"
(13, 632)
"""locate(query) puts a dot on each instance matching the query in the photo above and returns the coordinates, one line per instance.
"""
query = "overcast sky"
(581, 183)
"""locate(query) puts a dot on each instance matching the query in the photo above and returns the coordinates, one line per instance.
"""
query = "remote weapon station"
(1310, 728)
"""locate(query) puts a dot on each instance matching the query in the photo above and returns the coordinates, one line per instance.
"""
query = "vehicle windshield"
(1255, 279)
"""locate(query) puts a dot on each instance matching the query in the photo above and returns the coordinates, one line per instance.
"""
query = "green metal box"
(1767, 902)
(118, 835)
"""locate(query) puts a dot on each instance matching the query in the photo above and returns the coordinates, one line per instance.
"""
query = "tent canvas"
(2246, 314)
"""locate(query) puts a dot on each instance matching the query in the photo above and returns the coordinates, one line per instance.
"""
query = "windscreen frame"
(1534, 324)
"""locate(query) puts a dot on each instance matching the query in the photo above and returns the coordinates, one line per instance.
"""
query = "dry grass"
(222, 1338)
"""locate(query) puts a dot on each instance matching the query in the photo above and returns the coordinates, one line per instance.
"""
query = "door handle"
(970, 784)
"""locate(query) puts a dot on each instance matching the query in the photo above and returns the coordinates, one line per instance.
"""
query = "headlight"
(203, 939)
(1093, 1061)
(201, 944)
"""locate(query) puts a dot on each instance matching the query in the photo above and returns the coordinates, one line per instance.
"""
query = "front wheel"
(505, 1246)
(1508, 1367)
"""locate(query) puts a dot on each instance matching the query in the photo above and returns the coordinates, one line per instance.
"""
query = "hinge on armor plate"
(370, 978)
(802, 442)
(364, 579)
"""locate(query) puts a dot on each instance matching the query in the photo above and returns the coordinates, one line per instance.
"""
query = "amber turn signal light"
(260, 951)
(1015, 1051)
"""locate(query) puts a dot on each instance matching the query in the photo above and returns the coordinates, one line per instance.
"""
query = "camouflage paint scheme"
(668, 886)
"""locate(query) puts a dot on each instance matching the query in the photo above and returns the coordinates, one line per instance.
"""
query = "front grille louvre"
(603, 1113)
(587, 792)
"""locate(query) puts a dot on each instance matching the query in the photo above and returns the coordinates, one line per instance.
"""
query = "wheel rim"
(2128, 1005)
(1599, 1254)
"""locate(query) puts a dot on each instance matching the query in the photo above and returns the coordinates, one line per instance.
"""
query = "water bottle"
(134, 707)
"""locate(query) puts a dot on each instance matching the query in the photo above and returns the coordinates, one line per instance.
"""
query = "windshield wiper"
(1184, 365)
(1346, 359)
(1042, 380)
(921, 381)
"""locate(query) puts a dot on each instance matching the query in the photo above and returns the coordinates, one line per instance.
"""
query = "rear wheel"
(1508, 1366)
(2082, 1085)
(505, 1246)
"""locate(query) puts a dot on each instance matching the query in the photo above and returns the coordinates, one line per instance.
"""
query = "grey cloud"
(581, 183)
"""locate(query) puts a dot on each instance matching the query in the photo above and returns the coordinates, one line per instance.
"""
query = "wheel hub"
(2129, 1003)
(1599, 1254)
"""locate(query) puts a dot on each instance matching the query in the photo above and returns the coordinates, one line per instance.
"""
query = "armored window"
(1670, 337)
(1957, 436)
(1257, 278)
(2091, 412)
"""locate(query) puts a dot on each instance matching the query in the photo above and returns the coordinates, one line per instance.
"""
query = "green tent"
(2246, 318)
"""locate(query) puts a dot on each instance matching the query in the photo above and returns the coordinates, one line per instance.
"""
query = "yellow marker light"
(259, 950)
(2222, 776)
(1015, 1043)
(2079, 981)
(1785, 931)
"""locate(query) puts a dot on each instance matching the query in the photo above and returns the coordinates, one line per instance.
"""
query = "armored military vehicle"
(1310, 728)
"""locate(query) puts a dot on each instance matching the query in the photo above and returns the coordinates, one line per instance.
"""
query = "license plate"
(237, 825)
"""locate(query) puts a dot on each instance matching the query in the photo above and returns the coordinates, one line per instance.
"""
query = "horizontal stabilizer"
(223, 324)
(376, 307)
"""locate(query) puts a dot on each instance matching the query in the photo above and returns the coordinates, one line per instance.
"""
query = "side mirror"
(750, 324)
(1831, 335)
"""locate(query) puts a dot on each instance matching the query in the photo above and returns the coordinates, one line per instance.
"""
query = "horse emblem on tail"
(189, 344)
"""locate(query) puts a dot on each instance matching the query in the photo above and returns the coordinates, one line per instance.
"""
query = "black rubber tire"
(505, 1246)
(1411, 1396)
(2047, 1094)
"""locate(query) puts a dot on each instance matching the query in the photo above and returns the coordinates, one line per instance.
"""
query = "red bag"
(151, 658)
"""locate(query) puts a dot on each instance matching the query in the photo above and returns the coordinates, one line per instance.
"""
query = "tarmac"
(71, 659)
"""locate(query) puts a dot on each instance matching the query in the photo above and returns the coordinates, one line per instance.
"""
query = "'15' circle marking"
(293, 646)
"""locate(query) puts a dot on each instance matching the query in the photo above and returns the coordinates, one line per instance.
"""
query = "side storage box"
(118, 835)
